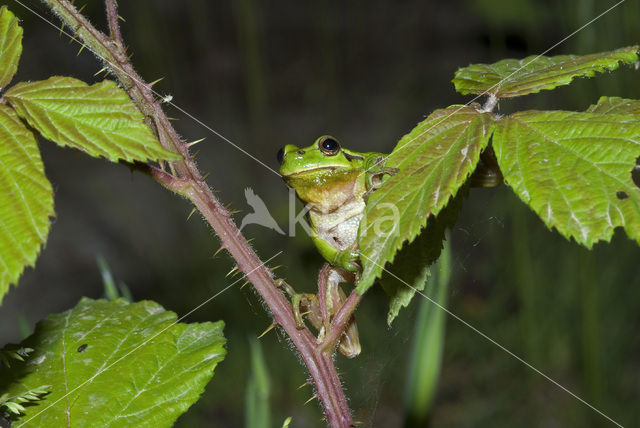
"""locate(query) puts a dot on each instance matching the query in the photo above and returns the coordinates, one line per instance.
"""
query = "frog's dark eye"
(329, 146)
(280, 156)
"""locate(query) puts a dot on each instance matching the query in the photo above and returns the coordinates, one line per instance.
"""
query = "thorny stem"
(340, 322)
(188, 182)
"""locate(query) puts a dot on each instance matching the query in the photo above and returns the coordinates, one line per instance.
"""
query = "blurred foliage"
(365, 72)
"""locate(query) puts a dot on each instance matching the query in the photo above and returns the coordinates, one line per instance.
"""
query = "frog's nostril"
(280, 155)
(300, 152)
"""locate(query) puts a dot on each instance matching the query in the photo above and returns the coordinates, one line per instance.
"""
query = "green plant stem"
(186, 180)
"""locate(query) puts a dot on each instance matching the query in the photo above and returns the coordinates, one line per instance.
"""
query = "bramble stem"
(341, 320)
(188, 181)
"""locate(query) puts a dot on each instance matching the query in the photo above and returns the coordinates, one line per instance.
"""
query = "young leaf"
(116, 364)
(575, 170)
(10, 45)
(513, 78)
(26, 199)
(412, 263)
(615, 105)
(99, 119)
(434, 160)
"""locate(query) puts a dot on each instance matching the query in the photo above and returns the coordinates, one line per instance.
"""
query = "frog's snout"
(286, 149)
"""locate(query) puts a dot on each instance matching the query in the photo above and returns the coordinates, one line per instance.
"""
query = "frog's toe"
(349, 261)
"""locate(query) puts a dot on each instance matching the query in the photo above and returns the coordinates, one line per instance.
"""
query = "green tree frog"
(334, 183)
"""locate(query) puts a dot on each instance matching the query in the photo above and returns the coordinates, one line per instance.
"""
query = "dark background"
(268, 73)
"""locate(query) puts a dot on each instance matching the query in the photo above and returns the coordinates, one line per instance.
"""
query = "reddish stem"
(188, 182)
(340, 322)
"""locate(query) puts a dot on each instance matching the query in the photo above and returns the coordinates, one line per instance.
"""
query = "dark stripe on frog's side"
(351, 157)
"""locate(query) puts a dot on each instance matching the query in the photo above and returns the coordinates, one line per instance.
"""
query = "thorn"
(226, 207)
(234, 212)
(313, 397)
(72, 39)
(233, 269)
(193, 143)
(275, 267)
(304, 384)
(155, 81)
(245, 284)
(100, 71)
(81, 49)
(191, 213)
(250, 240)
(195, 155)
(206, 175)
(271, 327)
(61, 29)
(121, 19)
(81, 8)
(218, 251)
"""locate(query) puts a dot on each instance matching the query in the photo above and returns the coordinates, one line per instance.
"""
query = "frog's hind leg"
(333, 297)
(303, 304)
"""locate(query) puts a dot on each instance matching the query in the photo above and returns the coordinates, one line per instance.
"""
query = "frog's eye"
(280, 156)
(329, 146)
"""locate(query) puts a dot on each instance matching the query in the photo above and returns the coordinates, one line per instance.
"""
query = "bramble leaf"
(616, 105)
(26, 199)
(513, 78)
(10, 45)
(575, 170)
(412, 264)
(116, 364)
(434, 161)
(100, 119)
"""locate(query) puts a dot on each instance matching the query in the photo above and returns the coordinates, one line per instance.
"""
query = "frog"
(334, 183)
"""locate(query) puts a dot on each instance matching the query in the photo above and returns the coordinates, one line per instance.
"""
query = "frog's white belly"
(340, 228)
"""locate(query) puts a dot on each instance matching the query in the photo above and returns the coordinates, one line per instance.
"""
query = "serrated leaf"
(616, 105)
(434, 161)
(412, 263)
(116, 364)
(513, 78)
(574, 170)
(10, 45)
(26, 199)
(100, 119)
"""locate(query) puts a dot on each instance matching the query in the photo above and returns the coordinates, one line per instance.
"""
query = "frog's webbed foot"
(303, 304)
(348, 260)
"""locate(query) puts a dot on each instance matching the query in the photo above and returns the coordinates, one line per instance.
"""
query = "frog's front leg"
(375, 171)
(346, 259)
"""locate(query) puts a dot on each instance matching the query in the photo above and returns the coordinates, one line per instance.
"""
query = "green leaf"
(574, 170)
(116, 364)
(412, 263)
(434, 161)
(100, 119)
(26, 199)
(615, 105)
(513, 78)
(10, 45)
